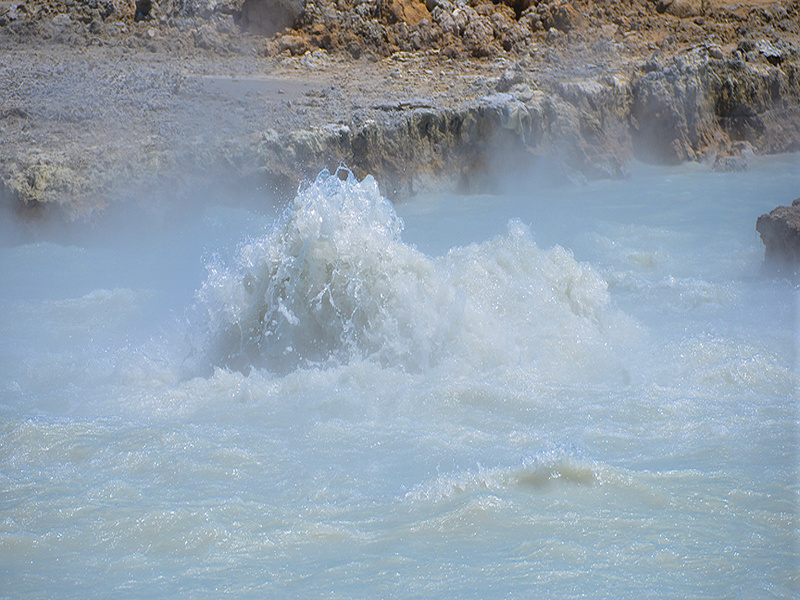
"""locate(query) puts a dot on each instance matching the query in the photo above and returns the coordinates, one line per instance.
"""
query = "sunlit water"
(582, 392)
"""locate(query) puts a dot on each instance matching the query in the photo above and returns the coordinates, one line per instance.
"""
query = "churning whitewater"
(334, 282)
(581, 392)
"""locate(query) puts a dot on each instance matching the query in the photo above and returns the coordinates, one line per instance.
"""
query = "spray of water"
(334, 281)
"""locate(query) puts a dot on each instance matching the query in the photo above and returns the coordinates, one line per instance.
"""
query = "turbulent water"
(582, 392)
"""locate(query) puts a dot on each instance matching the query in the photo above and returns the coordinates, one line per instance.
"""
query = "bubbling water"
(363, 416)
(334, 281)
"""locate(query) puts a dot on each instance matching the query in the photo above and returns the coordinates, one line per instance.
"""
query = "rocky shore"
(110, 99)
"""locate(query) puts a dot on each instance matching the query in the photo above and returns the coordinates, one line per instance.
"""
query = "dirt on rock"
(107, 99)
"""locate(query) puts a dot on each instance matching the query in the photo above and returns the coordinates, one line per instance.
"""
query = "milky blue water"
(586, 391)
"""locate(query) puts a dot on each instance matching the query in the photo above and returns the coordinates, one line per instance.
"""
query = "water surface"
(563, 392)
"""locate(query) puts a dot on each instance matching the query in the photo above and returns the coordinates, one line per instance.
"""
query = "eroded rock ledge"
(688, 107)
(693, 107)
(467, 91)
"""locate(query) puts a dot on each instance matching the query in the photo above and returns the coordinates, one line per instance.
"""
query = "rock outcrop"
(442, 94)
(780, 232)
(477, 28)
(411, 148)
(694, 103)
(694, 108)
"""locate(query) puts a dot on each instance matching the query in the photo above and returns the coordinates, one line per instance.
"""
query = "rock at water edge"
(780, 232)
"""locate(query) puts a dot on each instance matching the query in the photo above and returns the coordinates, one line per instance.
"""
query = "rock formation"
(780, 232)
(423, 93)
(694, 102)
(694, 107)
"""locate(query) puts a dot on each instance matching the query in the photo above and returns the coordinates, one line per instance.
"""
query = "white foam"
(334, 281)
(535, 475)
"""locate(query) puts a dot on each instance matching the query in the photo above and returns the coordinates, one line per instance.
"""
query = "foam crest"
(537, 307)
(535, 475)
(334, 281)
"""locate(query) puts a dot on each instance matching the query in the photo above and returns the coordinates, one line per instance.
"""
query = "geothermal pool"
(578, 392)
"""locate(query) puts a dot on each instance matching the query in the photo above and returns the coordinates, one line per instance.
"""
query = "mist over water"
(570, 392)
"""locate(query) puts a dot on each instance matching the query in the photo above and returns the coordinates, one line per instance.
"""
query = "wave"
(533, 476)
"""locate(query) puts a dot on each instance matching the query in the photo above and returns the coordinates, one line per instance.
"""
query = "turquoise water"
(575, 392)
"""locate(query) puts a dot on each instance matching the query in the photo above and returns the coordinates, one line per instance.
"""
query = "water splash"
(334, 282)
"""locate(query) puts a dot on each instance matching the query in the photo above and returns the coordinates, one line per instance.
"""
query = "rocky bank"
(106, 99)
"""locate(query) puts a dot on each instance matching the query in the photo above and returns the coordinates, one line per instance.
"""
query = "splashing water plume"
(334, 281)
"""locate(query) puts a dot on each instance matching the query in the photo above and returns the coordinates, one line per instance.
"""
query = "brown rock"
(411, 12)
(296, 44)
(780, 232)
(684, 9)
(566, 18)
